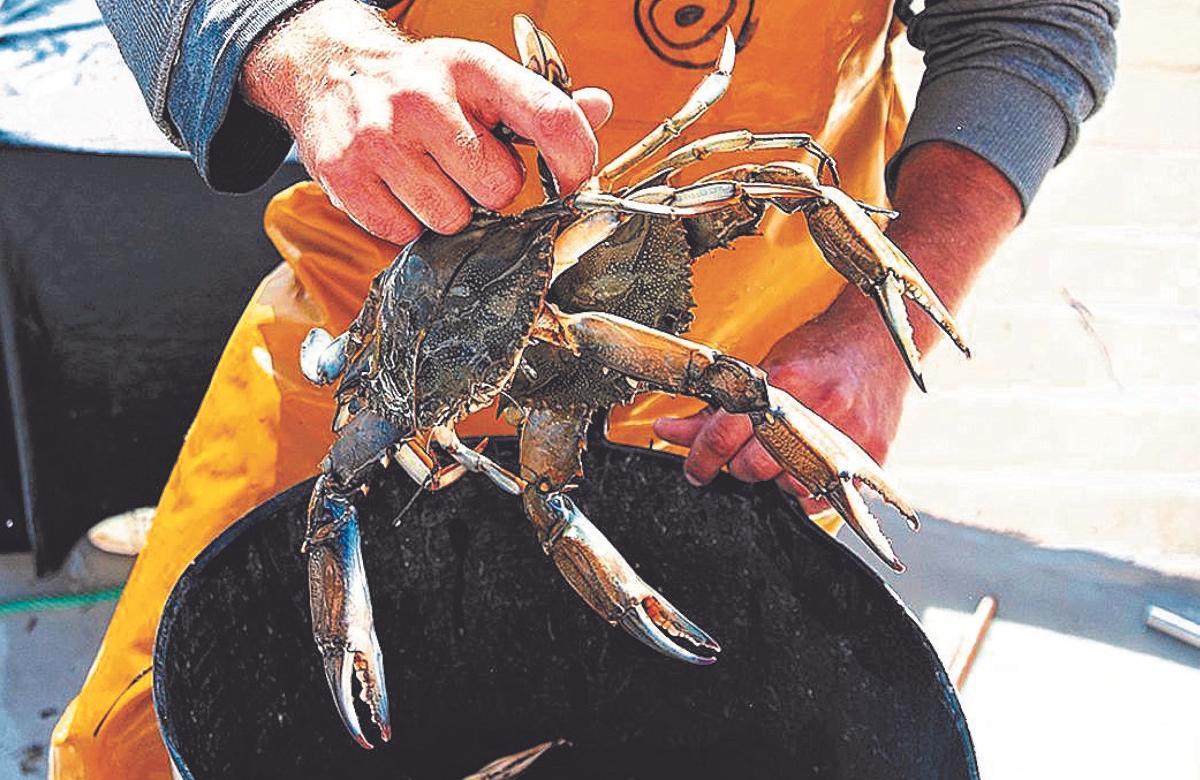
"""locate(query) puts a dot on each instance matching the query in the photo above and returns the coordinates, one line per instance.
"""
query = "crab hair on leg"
(551, 443)
(819, 456)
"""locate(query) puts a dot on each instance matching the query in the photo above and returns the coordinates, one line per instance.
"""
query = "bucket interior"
(488, 651)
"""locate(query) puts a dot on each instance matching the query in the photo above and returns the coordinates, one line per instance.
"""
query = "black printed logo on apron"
(689, 33)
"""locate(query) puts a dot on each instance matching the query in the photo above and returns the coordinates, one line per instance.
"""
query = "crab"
(562, 311)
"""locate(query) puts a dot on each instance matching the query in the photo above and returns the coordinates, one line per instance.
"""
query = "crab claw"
(856, 247)
(340, 601)
(323, 358)
(828, 463)
(610, 586)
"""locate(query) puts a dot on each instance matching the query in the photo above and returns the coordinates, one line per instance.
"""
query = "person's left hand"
(841, 365)
(956, 209)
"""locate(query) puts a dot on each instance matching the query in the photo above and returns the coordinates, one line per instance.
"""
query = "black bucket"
(823, 673)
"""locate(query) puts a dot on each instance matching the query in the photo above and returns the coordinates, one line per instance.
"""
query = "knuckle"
(553, 115)
(727, 435)
(761, 471)
(448, 216)
(697, 470)
(468, 145)
(417, 102)
(746, 472)
(477, 55)
(755, 466)
(501, 186)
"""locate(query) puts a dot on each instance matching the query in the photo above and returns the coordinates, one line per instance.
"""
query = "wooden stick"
(968, 646)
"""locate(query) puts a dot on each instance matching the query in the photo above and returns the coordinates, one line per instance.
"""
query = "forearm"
(955, 210)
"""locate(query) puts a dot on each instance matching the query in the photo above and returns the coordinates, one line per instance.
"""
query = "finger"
(716, 443)
(500, 90)
(373, 207)
(417, 182)
(790, 484)
(681, 430)
(475, 159)
(596, 104)
(753, 463)
(811, 506)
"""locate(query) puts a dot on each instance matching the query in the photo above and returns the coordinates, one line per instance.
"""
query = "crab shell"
(643, 273)
(453, 316)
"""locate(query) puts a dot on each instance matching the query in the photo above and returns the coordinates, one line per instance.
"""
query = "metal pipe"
(1171, 624)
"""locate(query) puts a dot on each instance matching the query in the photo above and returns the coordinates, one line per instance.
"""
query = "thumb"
(596, 103)
(681, 430)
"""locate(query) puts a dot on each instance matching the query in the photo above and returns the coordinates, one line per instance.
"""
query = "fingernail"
(692, 480)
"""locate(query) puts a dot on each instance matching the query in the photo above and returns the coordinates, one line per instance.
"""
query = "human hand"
(955, 211)
(842, 365)
(398, 131)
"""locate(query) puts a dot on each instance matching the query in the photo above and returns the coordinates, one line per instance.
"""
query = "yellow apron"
(817, 66)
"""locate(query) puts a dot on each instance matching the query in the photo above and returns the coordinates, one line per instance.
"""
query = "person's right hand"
(399, 132)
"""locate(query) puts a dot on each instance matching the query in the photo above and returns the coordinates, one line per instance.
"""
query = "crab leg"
(413, 456)
(551, 443)
(338, 595)
(476, 462)
(742, 141)
(324, 358)
(823, 459)
(538, 52)
(695, 200)
(858, 249)
(708, 92)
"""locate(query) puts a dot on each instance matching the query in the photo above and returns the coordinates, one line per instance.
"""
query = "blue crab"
(560, 312)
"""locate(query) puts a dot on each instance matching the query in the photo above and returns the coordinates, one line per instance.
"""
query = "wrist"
(955, 211)
(850, 323)
(309, 49)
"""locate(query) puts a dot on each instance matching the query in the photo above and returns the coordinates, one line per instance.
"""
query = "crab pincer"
(856, 247)
(343, 625)
(605, 580)
(828, 463)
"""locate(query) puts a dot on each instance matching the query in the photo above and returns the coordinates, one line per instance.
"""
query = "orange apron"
(819, 67)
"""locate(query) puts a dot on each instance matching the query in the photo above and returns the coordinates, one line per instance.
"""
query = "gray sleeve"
(1010, 80)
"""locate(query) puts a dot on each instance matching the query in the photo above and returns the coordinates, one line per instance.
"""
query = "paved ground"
(1061, 453)
(1069, 682)
(45, 655)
